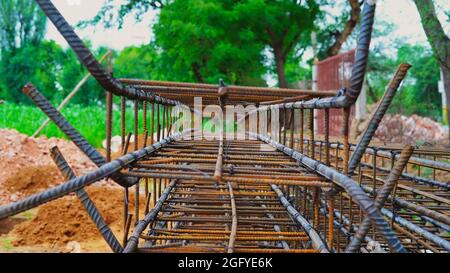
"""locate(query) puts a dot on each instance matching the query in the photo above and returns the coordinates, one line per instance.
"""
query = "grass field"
(88, 120)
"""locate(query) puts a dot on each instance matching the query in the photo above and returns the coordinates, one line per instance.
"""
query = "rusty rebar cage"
(276, 189)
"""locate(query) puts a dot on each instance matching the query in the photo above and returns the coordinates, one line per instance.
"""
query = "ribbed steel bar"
(75, 184)
(317, 241)
(347, 96)
(438, 165)
(105, 79)
(72, 133)
(139, 228)
(381, 198)
(417, 229)
(350, 186)
(88, 204)
(377, 117)
(233, 232)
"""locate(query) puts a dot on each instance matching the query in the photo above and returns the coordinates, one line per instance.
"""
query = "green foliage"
(329, 23)
(282, 26)
(420, 95)
(21, 23)
(280, 23)
(136, 62)
(109, 16)
(204, 41)
(38, 64)
(71, 72)
(419, 92)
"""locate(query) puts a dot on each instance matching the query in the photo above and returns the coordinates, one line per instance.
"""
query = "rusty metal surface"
(286, 190)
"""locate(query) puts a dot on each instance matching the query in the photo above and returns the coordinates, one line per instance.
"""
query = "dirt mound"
(27, 168)
(401, 129)
(33, 179)
(65, 220)
(27, 157)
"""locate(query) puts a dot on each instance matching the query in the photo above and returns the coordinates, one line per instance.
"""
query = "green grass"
(6, 243)
(88, 120)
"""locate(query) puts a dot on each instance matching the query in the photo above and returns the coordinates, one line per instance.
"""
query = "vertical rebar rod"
(144, 115)
(152, 124)
(345, 133)
(158, 124)
(109, 106)
(123, 121)
(327, 136)
(136, 147)
(71, 132)
(311, 134)
(291, 136)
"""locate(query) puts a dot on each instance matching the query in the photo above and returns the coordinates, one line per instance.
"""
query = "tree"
(136, 62)
(204, 41)
(22, 28)
(335, 26)
(341, 36)
(30, 63)
(21, 23)
(71, 72)
(232, 29)
(439, 41)
(420, 92)
(110, 16)
(283, 26)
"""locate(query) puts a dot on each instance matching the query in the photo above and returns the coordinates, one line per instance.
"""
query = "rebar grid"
(284, 191)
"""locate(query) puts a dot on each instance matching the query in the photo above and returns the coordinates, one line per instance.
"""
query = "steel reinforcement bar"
(75, 184)
(88, 204)
(377, 117)
(106, 80)
(72, 133)
(350, 186)
(317, 241)
(381, 197)
(347, 96)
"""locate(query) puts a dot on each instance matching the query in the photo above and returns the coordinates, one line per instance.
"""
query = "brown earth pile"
(65, 219)
(25, 162)
(402, 129)
(27, 168)
(33, 179)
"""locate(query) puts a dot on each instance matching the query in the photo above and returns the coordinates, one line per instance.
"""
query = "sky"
(132, 33)
(401, 13)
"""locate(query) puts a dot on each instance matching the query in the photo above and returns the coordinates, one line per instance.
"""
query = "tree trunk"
(196, 70)
(349, 26)
(439, 41)
(279, 62)
(282, 82)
